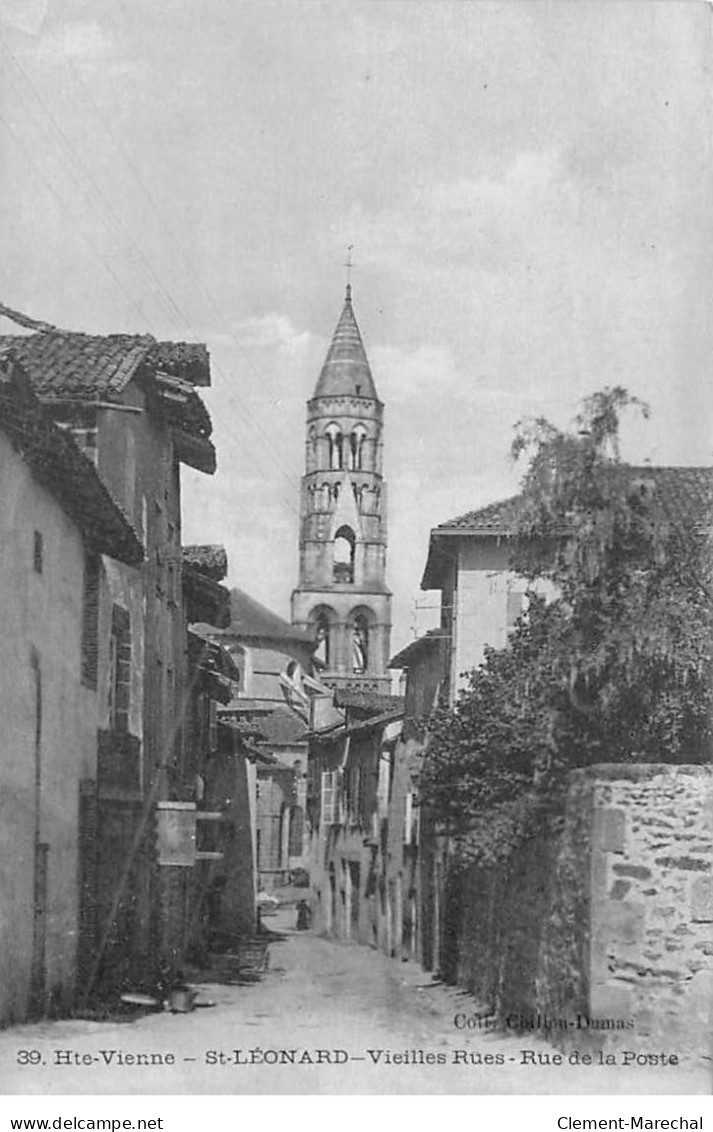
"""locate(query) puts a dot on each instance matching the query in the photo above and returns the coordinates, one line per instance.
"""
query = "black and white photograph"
(356, 507)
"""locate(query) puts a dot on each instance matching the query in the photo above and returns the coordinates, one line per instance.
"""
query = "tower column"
(343, 515)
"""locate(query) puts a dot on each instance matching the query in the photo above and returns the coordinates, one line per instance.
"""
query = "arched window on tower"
(356, 448)
(344, 547)
(322, 651)
(360, 644)
(322, 623)
(335, 442)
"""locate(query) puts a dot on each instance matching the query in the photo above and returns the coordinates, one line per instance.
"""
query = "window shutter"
(90, 621)
(408, 818)
(328, 807)
(515, 606)
(340, 800)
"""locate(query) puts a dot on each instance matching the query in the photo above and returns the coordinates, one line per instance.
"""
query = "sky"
(526, 185)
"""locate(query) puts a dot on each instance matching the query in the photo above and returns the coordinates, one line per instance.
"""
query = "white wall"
(40, 613)
(482, 608)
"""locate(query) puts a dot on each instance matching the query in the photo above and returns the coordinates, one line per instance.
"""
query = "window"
(37, 559)
(330, 797)
(344, 548)
(323, 643)
(90, 621)
(360, 644)
(383, 784)
(411, 819)
(356, 448)
(515, 606)
(335, 443)
(119, 669)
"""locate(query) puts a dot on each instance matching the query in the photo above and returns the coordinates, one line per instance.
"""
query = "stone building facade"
(57, 520)
(342, 598)
(271, 706)
(351, 771)
(131, 405)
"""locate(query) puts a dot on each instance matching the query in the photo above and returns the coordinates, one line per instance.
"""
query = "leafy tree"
(617, 667)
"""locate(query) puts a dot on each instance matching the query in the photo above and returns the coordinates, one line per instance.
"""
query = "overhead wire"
(160, 288)
(176, 312)
(65, 208)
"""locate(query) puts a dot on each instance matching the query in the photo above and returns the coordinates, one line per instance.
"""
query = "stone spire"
(346, 371)
(341, 598)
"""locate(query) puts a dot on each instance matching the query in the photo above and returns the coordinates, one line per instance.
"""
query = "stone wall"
(651, 956)
(598, 932)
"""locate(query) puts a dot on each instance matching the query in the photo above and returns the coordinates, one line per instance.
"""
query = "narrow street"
(344, 1013)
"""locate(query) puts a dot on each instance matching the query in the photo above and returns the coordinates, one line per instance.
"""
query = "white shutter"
(328, 800)
(408, 818)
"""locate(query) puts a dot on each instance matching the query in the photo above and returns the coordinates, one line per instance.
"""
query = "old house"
(545, 929)
(413, 864)
(225, 761)
(131, 405)
(206, 825)
(271, 703)
(350, 775)
(57, 522)
(481, 597)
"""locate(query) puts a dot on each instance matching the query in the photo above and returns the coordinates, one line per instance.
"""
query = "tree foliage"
(617, 667)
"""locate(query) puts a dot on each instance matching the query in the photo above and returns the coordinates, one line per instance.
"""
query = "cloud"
(272, 331)
(78, 43)
(484, 222)
(24, 15)
(405, 375)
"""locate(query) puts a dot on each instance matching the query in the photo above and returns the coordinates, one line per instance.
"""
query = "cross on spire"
(349, 265)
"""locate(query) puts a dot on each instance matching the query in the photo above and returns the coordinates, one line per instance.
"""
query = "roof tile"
(62, 364)
(56, 463)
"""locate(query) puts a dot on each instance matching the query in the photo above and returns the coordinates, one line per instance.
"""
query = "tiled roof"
(100, 366)
(210, 654)
(248, 736)
(358, 727)
(282, 727)
(64, 366)
(212, 561)
(346, 369)
(187, 360)
(413, 650)
(493, 519)
(685, 495)
(251, 619)
(57, 464)
(683, 492)
(374, 702)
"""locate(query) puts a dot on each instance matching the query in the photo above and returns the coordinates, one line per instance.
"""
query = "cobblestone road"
(381, 1027)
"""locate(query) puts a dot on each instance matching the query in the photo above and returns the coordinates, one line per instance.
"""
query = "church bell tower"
(342, 598)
